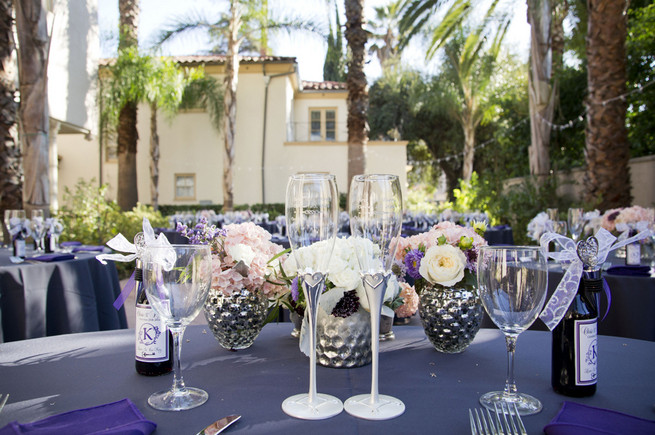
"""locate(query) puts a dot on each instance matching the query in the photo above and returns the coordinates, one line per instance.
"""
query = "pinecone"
(347, 305)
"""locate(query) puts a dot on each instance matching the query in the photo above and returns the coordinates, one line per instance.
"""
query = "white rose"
(444, 265)
(241, 252)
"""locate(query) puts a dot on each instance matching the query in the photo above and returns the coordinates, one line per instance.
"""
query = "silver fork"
(482, 424)
(3, 400)
(510, 418)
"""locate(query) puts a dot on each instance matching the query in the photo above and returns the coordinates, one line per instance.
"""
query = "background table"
(43, 299)
(51, 375)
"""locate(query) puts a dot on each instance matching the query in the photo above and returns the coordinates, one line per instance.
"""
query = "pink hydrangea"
(628, 215)
(410, 301)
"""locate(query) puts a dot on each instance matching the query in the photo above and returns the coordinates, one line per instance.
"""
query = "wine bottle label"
(586, 357)
(633, 254)
(151, 335)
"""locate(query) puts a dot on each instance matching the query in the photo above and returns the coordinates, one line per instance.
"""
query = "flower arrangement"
(344, 292)
(538, 225)
(619, 220)
(243, 256)
(445, 255)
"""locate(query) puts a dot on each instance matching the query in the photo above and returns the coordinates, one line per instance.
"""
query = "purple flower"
(413, 262)
(294, 289)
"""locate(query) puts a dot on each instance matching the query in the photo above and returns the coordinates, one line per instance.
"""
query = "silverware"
(482, 424)
(219, 426)
(510, 418)
(3, 400)
(505, 421)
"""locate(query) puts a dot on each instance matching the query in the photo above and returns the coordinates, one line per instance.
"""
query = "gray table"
(43, 299)
(51, 375)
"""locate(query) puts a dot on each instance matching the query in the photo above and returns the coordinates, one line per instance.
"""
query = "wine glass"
(576, 221)
(512, 281)
(177, 280)
(376, 214)
(311, 216)
(37, 224)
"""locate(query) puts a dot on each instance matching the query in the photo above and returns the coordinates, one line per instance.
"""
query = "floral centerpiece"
(619, 220)
(245, 266)
(343, 307)
(442, 263)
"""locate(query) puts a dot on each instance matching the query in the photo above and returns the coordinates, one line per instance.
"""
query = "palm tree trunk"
(607, 180)
(469, 150)
(154, 158)
(357, 89)
(127, 136)
(230, 103)
(541, 94)
(11, 170)
(33, 110)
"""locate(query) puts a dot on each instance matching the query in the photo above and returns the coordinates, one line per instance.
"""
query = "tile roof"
(217, 59)
(323, 86)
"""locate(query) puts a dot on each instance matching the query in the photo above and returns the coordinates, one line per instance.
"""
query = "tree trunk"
(230, 103)
(357, 89)
(154, 158)
(607, 180)
(33, 110)
(469, 150)
(541, 94)
(11, 170)
(127, 136)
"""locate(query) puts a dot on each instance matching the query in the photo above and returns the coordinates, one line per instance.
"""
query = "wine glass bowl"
(512, 281)
(376, 215)
(177, 279)
(37, 225)
(311, 217)
(576, 222)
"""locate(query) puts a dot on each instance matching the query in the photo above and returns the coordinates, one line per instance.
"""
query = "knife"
(219, 426)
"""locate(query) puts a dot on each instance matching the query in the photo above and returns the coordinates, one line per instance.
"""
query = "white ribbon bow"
(559, 302)
(120, 243)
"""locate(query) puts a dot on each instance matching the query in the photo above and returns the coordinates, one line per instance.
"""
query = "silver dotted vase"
(451, 317)
(343, 342)
(236, 320)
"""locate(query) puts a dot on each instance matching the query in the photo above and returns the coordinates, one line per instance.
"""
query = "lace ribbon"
(566, 290)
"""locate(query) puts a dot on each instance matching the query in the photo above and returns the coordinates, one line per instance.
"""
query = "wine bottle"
(19, 245)
(154, 344)
(575, 339)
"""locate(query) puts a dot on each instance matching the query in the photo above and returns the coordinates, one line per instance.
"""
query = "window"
(185, 186)
(323, 124)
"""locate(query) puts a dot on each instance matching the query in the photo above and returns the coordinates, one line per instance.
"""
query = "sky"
(309, 50)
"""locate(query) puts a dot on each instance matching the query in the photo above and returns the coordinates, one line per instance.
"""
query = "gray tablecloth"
(51, 375)
(43, 299)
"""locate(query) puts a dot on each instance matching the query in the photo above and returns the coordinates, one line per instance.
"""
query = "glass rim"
(375, 177)
(510, 247)
(178, 245)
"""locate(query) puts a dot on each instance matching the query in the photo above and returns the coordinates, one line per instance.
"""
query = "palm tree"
(357, 89)
(33, 109)
(334, 66)
(384, 30)
(10, 156)
(127, 134)
(607, 180)
(245, 27)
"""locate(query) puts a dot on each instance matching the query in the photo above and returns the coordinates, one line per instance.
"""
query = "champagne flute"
(575, 219)
(376, 214)
(311, 216)
(37, 224)
(512, 281)
(177, 280)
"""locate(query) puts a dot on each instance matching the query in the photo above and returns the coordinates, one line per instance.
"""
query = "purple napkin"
(69, 244)
(53, 257)
(89, 248)
(120, 417)
(629, 270)
(574, 418)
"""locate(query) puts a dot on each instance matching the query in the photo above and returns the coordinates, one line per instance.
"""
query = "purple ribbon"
(608, 295)
(120, 300)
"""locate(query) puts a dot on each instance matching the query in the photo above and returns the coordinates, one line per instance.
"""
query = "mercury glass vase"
(236, 320)
(451, 317)
(343, 342)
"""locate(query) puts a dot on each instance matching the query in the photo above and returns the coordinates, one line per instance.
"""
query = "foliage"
(334, 68)
(567, 144)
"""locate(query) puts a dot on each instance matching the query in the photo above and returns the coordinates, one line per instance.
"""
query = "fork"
(3, 400)
(505, 421)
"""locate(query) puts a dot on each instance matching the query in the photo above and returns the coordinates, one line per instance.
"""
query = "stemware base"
(525, 403)
(385, 408)
(170, 400)
(324, 406)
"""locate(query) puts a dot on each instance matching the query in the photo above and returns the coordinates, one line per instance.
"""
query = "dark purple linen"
(629, 270)
(89, 248)
(578, 419)
(52, 257)
(121, 417)
(70, 243)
